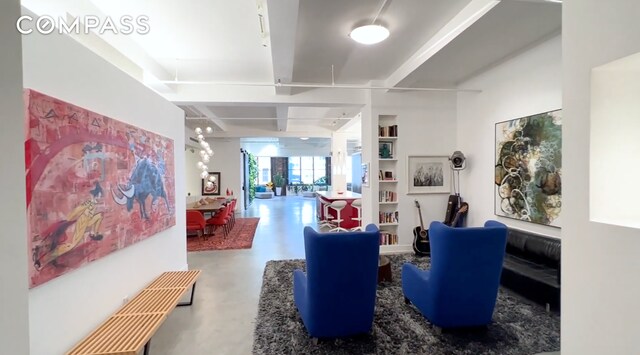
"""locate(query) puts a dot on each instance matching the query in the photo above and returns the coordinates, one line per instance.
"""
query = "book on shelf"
(387, 196)
(387, 238)
(388, 131)
(388, 217)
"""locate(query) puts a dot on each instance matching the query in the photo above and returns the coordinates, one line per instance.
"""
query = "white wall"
(615, 147)
(600, 263)
(14, 307)
(228, 161)
(527, 84)
(426, 126)
(192, 178)
(64, 310)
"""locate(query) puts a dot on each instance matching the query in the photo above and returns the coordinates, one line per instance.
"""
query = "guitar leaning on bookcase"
(420, 236)
(421, 245)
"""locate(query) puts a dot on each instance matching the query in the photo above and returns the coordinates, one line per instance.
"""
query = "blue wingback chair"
(336, 296)
(461, 288)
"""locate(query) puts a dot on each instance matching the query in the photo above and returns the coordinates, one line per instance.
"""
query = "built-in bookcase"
(388, 179)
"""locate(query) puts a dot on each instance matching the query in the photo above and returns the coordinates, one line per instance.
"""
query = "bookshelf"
(387, 179)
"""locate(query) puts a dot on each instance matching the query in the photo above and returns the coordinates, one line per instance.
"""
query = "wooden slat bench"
(130, 329)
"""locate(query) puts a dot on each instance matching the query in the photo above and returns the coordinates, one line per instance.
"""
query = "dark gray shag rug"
(519, 327)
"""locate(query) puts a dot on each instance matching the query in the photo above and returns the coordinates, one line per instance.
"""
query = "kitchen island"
(347, 212)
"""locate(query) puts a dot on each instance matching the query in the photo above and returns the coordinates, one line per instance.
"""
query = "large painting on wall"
(528, 168)
(94, 185)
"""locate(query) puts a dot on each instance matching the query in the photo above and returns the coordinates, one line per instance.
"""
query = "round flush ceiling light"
(304, 138)
(370, 34)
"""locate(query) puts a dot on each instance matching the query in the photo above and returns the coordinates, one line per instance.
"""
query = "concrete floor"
(222, 317)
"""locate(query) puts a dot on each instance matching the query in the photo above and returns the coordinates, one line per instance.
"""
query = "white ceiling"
(323, 37)
(194, 46)
(200, 39)
(507, 29)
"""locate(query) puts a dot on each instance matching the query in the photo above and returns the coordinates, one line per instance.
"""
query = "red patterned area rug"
(240, 237)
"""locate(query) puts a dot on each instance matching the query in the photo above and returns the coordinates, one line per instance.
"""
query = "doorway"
(245, 178)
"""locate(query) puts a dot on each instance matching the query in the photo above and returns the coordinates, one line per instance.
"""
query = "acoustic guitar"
(420, 236)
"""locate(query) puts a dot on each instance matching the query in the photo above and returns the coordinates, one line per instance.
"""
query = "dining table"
(211, 206)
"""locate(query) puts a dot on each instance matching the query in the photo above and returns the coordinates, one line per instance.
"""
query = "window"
(294, 170)
(264, 170)
(306, 170)
(319, 168)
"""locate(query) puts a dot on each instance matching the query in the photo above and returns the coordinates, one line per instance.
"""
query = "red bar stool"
(357, 205)
(326, 221)
(338, 206)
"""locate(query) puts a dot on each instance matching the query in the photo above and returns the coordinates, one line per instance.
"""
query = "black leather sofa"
(532, 267)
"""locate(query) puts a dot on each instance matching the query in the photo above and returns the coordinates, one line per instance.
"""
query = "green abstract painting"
(528, 168)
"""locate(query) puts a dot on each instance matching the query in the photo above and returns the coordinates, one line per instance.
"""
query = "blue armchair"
(461, 288)
(336, 297)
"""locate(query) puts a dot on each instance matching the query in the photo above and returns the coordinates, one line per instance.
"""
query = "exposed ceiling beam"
(272, 118)
(283, 24)
(315, 132)
(212, 117)
(253, 96)
(282, 113)
(351, 123)
(458, 24)
(187, 141)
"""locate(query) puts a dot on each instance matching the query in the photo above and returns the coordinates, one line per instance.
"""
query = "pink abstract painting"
(94, 185)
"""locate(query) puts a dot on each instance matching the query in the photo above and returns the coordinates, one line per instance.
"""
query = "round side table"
(384, 269)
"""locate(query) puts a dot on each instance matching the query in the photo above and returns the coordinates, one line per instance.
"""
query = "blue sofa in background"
(336, 296)
(262, 193)
(461, 288)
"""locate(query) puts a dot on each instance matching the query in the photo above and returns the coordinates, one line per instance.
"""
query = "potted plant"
(278, 181)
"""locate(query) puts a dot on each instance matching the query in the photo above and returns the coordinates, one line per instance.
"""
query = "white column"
(339, 161)
(369, 137)
(14, 294)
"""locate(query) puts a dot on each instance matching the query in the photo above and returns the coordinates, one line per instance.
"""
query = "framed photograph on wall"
(365, 174)
(214, 187)
(428, 174)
